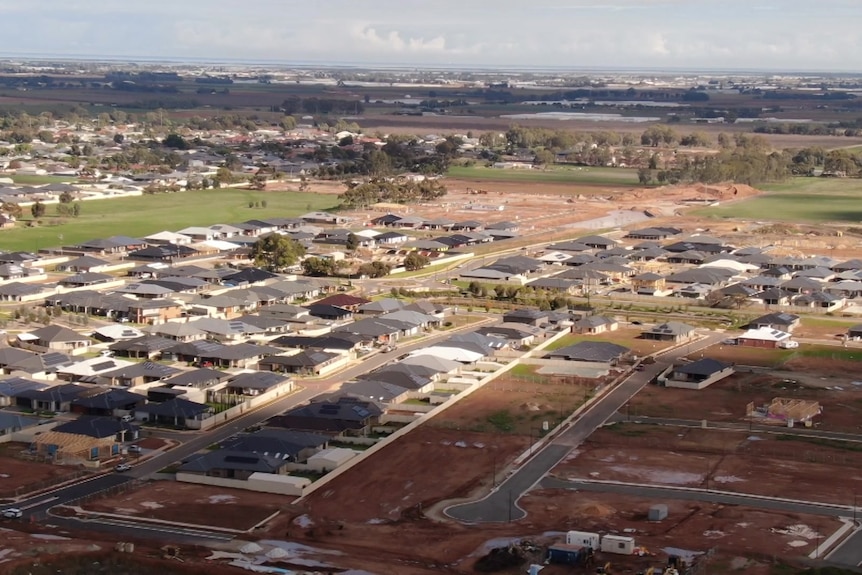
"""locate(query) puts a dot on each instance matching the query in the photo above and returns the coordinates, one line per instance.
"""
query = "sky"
(822, 35)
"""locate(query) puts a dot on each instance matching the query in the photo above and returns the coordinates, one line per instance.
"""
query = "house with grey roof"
(257, 383)
(332, 415)
(57, 338)
(699, 374)
(591, 351)
(11, 423)
(177, 412)
(308, 362)
(234, 464)
(779, 320)
(293, 446)
(673, 331)
(595, 324)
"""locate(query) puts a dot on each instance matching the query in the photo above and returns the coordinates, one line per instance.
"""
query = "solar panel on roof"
(103, 365)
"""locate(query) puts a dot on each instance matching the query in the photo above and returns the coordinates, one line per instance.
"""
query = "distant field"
(556, 175)
(27, 180)
(143, 215)
(812, 200)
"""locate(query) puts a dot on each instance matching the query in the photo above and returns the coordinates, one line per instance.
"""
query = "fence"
(44, 484)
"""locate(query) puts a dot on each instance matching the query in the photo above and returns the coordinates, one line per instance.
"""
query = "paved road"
(731, 426)
(849, 552)
(192, 442)
(502, 503)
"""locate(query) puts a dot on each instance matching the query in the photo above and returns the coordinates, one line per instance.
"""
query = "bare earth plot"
(761, 464)
(690, 527)
(726, 400)
(193, 504)
(18, 476)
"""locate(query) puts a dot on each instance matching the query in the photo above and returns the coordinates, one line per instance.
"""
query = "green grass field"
(27, 180)
(143, 215)
(555, 175)
(811, 200)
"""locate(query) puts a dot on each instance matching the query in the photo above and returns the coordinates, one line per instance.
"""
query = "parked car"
(13, 513)
(730, 341)
(134, 449)
(788, 344)
(122, 467)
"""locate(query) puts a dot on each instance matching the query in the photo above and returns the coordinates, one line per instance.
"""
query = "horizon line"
(402, 66)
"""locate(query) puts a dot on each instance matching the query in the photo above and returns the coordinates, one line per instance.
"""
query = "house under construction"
(784, 411)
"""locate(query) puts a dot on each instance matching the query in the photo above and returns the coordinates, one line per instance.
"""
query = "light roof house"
(763, 337)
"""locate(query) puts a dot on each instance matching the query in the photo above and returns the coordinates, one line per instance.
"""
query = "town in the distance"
(301, 320)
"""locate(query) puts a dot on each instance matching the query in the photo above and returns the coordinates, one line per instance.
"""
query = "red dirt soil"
(193, 504)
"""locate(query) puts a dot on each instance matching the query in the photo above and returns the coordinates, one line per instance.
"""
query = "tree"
(352, 242)
(644, 176)
(276, 252)
(318, 267)
(415, 261)
(374, 269)
(257, 182)
(37, 210)
(76, 209)
(66, 198)
(119, 139)
(176, 142)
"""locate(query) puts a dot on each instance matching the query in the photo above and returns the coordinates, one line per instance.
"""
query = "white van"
(789, 344)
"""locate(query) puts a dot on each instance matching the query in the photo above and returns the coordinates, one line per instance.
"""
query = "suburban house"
(781, 321)
(233, 464)
(257, 383)
(104, 402)
(591, 351)
(594, 324)
(532, 317)
(12, 423)
(144, 347)
(11, 387)
(303, 363)
(763, 337)
(176, 412)
(85, 439)
(698, 374)
(332, 416)
(56, 338)
(649, 283)
(673, 331)
(293, 446)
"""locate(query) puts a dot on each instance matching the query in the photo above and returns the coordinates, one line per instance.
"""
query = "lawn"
(556, 175)
(812, 200)
(28, 180)
(143, 215)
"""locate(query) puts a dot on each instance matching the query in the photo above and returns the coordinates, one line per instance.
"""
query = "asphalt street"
(501, 504)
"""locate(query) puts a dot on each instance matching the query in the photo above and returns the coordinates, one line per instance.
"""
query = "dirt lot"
(763, 464)
(726, 400)
(18, 476)
(194, 504)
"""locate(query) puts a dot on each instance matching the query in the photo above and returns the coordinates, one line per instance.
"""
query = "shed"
(331, 458)
(566, 554)
(657, 512)
(618, 544)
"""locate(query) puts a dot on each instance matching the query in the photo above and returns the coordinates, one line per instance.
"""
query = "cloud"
(576, 33)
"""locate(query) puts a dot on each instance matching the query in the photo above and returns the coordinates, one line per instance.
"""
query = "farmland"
(814, 200)
(143, 215)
